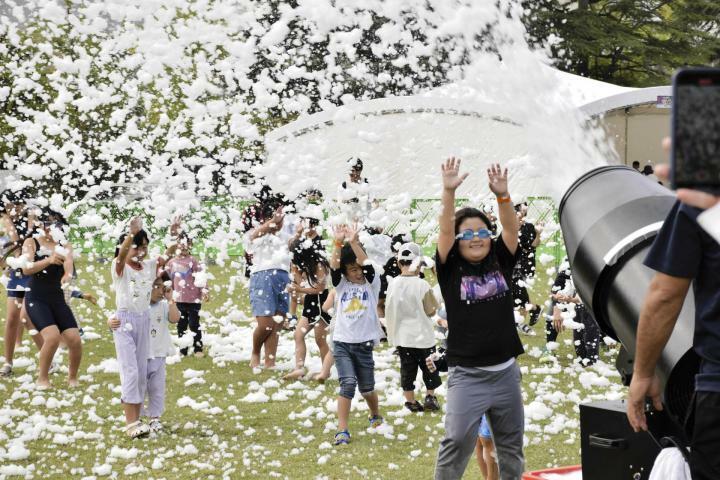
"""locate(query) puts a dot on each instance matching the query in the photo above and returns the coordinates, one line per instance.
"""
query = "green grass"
(79, 429)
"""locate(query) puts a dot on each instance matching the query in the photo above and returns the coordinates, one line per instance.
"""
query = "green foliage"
(627, 42)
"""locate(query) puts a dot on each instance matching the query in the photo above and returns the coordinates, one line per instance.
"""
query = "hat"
(355, 163)
(409, 251)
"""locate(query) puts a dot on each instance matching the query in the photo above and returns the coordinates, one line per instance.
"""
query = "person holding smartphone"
(682, 254)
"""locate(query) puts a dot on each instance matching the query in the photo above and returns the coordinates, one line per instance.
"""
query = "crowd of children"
(482, 284)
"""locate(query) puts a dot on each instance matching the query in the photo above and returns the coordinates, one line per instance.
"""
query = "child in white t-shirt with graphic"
(409, 306)
(357, 328)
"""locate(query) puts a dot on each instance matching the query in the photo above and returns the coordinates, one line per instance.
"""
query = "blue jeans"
(355, 366)
(267, 293)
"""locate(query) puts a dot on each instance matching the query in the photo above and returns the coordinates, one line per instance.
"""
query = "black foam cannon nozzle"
(609, 218)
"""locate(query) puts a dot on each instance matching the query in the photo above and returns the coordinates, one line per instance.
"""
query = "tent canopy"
(402, 140)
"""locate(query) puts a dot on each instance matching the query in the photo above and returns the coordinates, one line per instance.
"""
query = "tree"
(627, 42)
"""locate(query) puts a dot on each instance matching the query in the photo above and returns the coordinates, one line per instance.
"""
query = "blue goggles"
(469, 234)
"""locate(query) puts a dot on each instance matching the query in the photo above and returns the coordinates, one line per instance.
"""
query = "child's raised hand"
(339, 232)
(352, 232)
(136, 225)
(498, 180)
(451, 174)
(113, 322)
(168, 293)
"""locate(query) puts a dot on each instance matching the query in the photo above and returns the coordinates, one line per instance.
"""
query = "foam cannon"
(609, 218)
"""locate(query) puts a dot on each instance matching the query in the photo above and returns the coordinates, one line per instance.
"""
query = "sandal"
(137, 429)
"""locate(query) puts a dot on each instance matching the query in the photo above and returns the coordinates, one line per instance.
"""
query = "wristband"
(504, 199)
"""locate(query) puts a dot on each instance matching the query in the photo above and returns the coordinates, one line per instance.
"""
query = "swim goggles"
(469, 234)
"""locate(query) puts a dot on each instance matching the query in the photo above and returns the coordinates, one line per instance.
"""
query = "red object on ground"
(538, 474)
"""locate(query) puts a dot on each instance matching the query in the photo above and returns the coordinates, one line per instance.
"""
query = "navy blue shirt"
(683, 249)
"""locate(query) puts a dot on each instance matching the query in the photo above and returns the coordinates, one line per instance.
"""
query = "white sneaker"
(155, 425)
(525, 329)
(6, 370)
(137, 429)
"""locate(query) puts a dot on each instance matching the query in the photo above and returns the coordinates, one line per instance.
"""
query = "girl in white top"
(132, 278)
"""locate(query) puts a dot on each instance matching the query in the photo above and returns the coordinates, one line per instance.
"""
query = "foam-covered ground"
(224, 421)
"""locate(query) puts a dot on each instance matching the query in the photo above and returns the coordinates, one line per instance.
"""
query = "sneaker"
(431, 403)
(414, 406)
(526, 330)
(375, 421)
(6, 370)
(342, 438)
(155, 425)
(536, 314)
(547, 356)
(137, 429)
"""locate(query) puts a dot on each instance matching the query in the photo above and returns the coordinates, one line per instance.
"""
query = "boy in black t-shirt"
(474, 274)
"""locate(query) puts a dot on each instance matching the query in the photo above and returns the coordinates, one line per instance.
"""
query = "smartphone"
(695, 158)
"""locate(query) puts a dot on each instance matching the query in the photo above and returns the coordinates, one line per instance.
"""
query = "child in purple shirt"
(190, 290)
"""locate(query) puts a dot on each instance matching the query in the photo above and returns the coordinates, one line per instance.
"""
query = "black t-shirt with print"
(479, 304)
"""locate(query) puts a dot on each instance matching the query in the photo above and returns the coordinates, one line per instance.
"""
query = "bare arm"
(339, 235)
(658, 316)
(9, 228)
(173, 312)
(68, 264)
(122, 255)
(538, 232)
(271, 226)
(498, 180)
(135, 227)
(169, 253)
(451, 180)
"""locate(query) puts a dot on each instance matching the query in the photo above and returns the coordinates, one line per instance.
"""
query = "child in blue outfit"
(357, 328)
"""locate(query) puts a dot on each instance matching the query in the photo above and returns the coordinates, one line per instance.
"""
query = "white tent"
(636, 122)
(403, 139)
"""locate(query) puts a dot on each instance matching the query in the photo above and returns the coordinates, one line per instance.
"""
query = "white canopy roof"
(402, 140)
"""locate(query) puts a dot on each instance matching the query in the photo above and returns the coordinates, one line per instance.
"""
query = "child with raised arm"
(409, 305)
(189, 291)
(133, 276)
(474, 273)
(356, 327)
(163, 312)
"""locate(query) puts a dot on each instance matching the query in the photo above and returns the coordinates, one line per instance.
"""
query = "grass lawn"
(223, 421)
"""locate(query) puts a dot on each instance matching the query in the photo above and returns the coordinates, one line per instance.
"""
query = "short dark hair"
(405, 263)
(355, 163)
(636, 164)
(347, 257)
(139, 238)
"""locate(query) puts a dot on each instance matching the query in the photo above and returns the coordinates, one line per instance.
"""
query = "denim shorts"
(268, 294)
(17, 284)
(355, 367)
(484, 431)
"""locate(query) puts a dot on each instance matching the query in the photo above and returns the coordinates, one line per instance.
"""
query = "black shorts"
(520, 295)
(410, 360)
(383, 286)
(45, 313)
(312, 308)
